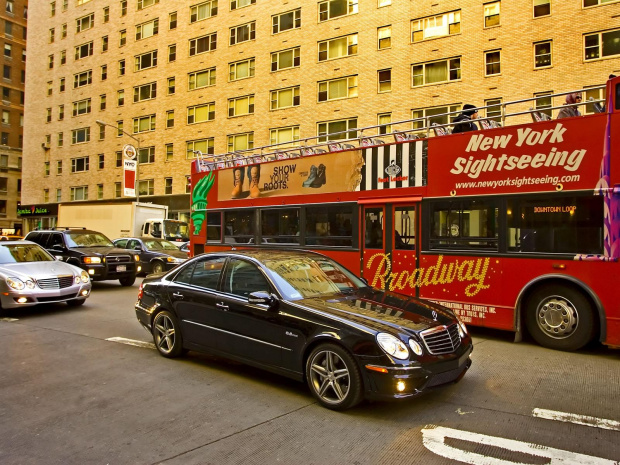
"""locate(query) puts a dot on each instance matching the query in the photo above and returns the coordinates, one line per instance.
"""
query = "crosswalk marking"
(586, 420)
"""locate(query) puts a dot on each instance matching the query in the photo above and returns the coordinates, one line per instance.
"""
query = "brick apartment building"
(235, 74)
(13, 17)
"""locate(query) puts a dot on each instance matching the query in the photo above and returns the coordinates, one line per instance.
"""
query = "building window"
(286, 21)
(46, 168)
(436, 26)
(104, 72)
(200, 79)
(384, 120)
(63, 31)
(384, 77)
(240, 106)
(82, 2)
(84, 50)
(61, 139)
(99, 191)
(172, 53)
(331, 9)
(384, 37)
(120, 94)
(146, 155)
(201, 113)
(85, 22)
(117, 190)
(4, 138)
(50, 65)
(79, 193)
(284, 135)
(58, 195)
(168, 186)
(101, 161)
(10, 7)
(122, 39)
(285, 59)
(101, 132)
(121, 67)
(543, 102)
(4, 185)
(144, 124)
(102, 105)
(170, 119)
(61, 87)
(145, 92)
(425, 117)
(242, 33)
(52, 35)
(542, 8)
(491, 14)
(337, 130)
(106, 14)
(145, 60)
(79, 165)
(7, 71)
(146, 187)
(593, 94)
(285, 98)
(204, 146)
(46, 199)
(81, 107)
(337, 48)
(80, 135)
(240, 141)
(82, 79)
(119, 128)
(384, 3)
(236, 4)
(172, 20)
(119, 159)
(202, 11)
(602, 44)
(171, 85)
(203, 44)
(6, 120)
(104, 44)
(241, 69)
(436, 72)
(188, 184)
(148, 29)
(61, 112)
(542, 54)
(146, 3)
(587, 3)
(50, 88)
(123, 7)
(169, 152)
(492, 63)
(494, 109)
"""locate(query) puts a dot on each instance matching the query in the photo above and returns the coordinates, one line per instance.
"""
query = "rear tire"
(334, 377)
(560, 318)
(167, 335)
(127, 281)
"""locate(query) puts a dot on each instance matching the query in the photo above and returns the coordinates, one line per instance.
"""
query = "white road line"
(8, 319)
(434, 438)
(586, 420)
(132, 342)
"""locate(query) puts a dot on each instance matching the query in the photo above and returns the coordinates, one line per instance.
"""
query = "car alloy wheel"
(334, 377)
(158, 267)
(166, 335)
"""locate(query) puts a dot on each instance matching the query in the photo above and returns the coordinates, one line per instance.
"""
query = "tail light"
(140, 291)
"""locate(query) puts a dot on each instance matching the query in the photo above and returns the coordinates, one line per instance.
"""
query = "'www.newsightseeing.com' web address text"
(518, 182)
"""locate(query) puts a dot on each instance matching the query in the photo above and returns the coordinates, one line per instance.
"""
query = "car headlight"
(92, 260)
(76, 280)
(392, 346)
(15, 283)
(84, 277)
(173, 260)
(136, 258)
(416, 347)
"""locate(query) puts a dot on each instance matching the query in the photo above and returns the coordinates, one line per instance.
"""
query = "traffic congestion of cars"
(299, 314)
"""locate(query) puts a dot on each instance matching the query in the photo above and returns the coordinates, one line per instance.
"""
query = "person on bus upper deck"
(463, 122)
(570, 111)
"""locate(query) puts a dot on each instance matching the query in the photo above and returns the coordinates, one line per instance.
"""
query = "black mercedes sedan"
(303, 315)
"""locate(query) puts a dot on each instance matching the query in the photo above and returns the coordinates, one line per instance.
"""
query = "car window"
(33, 236)
(207, 272)
(20, 253)
(242, 278)
(56, 239)
(122, 243)
(185, 275)
(42, 241)
(134, 244)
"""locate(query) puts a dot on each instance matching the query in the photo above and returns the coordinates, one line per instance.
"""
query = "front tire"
(127, 281)
(333, 377)
(560, 318)
(167, 335)
(158, 267)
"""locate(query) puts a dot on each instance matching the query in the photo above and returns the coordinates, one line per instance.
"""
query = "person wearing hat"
(571, 110)
(463, 122)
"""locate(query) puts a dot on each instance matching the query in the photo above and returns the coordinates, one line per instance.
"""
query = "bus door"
(389, 244)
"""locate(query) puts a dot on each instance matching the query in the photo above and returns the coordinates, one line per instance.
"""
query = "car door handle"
(177, 295)
(223, 306)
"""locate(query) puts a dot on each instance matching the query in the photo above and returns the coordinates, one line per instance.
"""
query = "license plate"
(121, 267)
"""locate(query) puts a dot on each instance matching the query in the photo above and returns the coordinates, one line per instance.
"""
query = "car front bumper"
(28, 297)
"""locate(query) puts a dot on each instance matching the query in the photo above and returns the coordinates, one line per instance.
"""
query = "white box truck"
(130, 219)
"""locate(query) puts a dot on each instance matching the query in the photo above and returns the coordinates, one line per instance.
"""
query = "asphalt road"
(72, 394)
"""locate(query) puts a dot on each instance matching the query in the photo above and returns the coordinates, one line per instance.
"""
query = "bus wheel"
(560, 318)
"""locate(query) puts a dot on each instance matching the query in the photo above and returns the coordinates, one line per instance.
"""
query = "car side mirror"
(263, 298)
(137, 247)
(57, 248)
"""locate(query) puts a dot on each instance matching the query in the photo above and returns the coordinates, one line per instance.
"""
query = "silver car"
(29, 275)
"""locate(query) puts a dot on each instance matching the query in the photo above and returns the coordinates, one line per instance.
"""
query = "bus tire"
(560, 318)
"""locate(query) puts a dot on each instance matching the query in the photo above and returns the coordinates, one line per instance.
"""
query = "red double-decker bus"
(513, 226)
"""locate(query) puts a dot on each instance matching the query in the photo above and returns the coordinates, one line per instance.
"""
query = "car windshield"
(21, 253)
(160, 245)
(90, 239)
(304, 277)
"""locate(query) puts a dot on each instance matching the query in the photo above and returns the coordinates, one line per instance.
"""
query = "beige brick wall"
(515, 36)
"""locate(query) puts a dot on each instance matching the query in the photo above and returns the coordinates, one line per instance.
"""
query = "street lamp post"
(137, 183)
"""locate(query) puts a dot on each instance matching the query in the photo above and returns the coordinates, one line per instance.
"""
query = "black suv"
(91, 251)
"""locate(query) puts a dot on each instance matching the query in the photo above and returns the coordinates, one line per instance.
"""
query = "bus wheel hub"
(557, 318)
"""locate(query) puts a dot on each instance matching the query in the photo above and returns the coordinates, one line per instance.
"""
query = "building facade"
(228, 75)
(13, 18)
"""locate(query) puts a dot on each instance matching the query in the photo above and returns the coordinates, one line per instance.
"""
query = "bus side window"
(618, 96)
